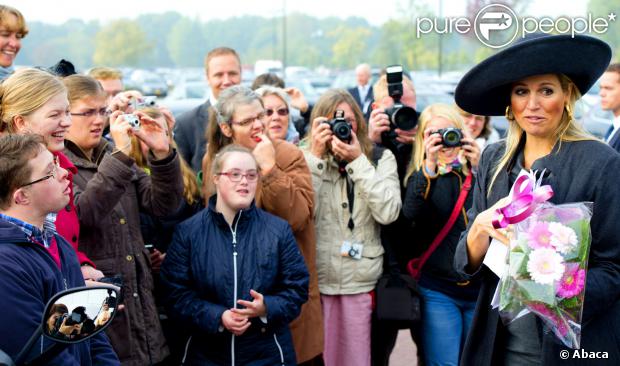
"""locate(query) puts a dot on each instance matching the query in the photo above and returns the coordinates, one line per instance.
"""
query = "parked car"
(147, 82)
(186, 96)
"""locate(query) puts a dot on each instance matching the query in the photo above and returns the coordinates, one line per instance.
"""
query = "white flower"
(563, 238)
(545, 266)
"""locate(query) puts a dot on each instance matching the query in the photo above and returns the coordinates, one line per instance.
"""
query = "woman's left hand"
(346, 152)
(253, 308)
(471, 150)
(153, 135)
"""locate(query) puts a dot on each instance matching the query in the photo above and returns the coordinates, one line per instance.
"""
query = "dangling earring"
(569, 112)
(509, 115)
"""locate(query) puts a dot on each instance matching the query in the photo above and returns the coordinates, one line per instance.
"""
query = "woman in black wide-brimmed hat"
(536, 83)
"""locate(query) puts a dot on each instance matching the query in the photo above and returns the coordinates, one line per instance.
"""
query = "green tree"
(122, 42)
(601, 9)
(186, 43)
(349, 45)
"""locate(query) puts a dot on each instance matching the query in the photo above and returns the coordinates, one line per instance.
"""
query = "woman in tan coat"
(285, 190)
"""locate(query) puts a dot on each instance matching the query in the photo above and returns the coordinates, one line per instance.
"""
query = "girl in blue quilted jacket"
(233, 273)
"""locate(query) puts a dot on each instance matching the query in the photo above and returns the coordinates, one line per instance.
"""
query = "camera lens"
(405, 118)
(452, 138)
(342, 130)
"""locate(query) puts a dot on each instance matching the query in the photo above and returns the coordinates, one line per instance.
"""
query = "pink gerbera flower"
(539, 235)
(572, 282)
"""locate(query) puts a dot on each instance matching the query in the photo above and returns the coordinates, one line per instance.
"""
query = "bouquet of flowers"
(547, 259)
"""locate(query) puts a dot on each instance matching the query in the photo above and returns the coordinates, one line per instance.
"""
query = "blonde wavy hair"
(23, 93)
(567, 130)
(436, 110)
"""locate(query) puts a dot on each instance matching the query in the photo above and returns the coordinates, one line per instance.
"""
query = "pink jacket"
(67, 223)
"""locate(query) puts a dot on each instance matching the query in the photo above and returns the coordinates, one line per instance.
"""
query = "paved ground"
(405, 350)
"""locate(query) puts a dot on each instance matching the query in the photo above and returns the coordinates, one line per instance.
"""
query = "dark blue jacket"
(198, 277)
(29, 277)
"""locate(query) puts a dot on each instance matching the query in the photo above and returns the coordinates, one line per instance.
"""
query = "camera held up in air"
(399, 115)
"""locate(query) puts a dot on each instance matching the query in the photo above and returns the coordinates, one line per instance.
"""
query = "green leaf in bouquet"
(533, 291)
(585, 240)
(571, 303)
(522, 244)
(518, 264)
(509, 298)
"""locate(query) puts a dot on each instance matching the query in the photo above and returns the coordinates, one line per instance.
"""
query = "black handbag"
(398, 299)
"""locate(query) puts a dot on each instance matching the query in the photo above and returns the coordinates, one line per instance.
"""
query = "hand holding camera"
(321, 135)
(344, 151)
(471, 150)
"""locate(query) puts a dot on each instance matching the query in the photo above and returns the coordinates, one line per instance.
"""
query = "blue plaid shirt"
(34, 234)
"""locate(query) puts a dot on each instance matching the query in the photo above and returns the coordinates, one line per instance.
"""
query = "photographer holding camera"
(356, 190)
(394, 92)
(438, 182)
(110, 192)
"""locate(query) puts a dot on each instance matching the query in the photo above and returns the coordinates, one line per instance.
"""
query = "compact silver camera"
(133, 121)
(144, 102)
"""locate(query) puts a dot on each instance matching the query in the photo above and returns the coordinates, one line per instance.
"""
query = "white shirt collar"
(616, 122)
(212, 99)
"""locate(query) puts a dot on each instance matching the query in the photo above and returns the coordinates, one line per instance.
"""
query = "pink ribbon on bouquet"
(526, 193)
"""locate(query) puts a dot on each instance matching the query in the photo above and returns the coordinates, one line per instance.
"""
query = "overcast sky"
(376, 11)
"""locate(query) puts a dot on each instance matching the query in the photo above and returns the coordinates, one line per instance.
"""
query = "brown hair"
(220, 158)
(615, 67)
(220, 51)
(82, 86)
(326, 106)
(23, 93)
(486, 130)
(190, 185)
(267, 79)
(15, 152)
(21, 28)
(105, 73)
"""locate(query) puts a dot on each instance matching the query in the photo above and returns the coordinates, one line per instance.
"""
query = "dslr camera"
(451, 137)
(400, 116)
(340, 127)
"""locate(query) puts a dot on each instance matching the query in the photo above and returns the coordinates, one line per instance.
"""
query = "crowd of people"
(254, 228)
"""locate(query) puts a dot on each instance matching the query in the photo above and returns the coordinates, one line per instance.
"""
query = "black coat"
(429, 202)
(579, 171)
(190, 134)
(369, 98)
(208, 260)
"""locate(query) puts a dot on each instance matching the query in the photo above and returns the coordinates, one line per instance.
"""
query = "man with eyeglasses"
(35, 262)
(223, 69)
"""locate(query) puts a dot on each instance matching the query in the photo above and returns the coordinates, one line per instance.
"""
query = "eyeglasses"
(247, 121)
(236, 175)
(52, 174)
(280, 111)
(103, 112)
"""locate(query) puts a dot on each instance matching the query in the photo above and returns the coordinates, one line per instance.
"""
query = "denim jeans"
(445, 323)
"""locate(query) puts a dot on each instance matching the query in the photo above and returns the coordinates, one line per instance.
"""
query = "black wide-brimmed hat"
(485, 89)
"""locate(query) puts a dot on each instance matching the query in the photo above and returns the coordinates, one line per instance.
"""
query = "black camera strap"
(350, 192)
